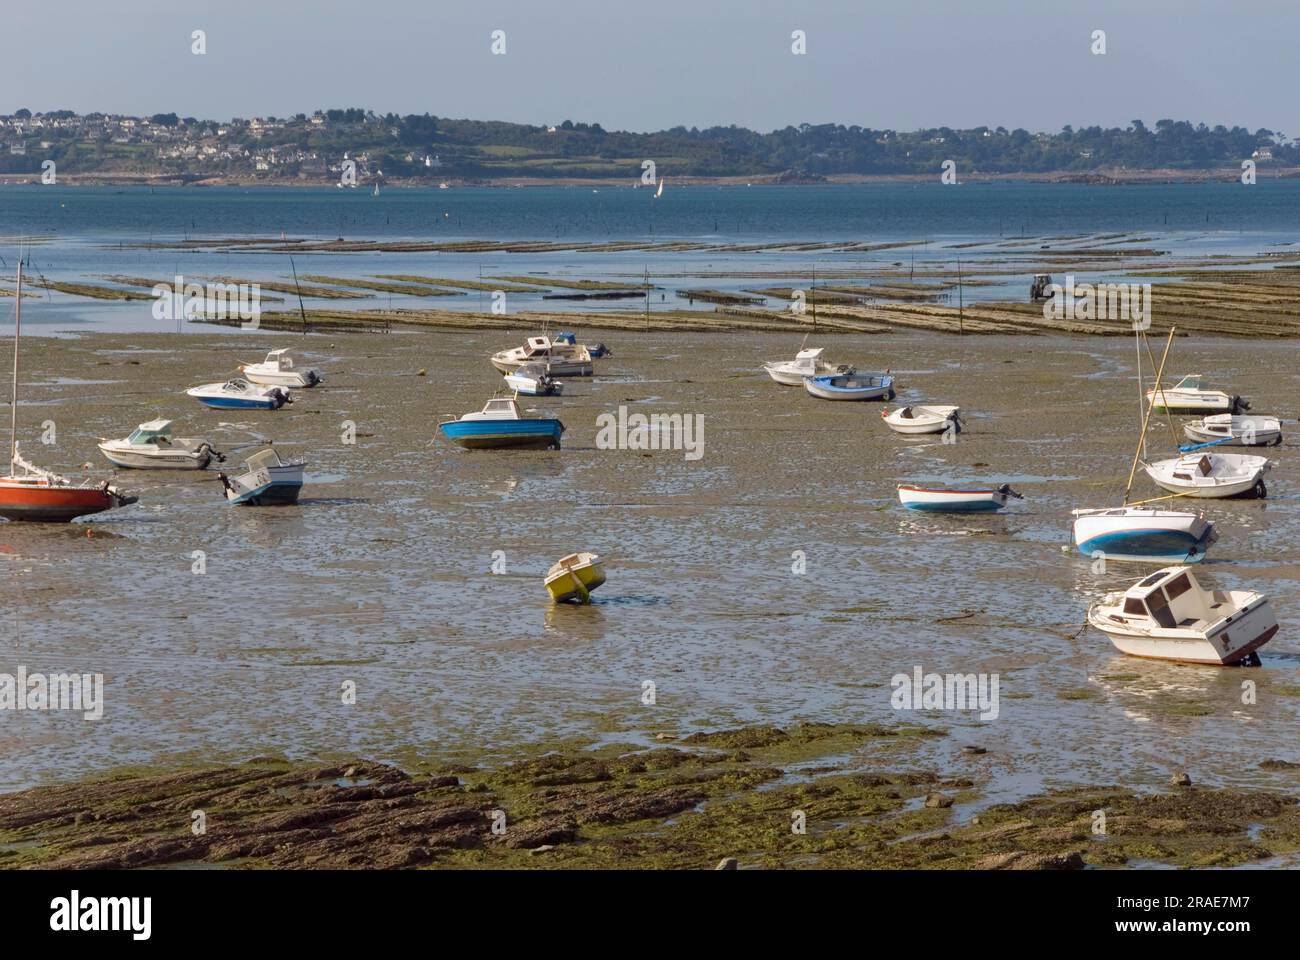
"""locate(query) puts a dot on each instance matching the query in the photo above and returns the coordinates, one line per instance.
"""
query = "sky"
(652, 64)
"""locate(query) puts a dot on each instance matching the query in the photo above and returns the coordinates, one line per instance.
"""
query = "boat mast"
(13, 408)
(1146, 418)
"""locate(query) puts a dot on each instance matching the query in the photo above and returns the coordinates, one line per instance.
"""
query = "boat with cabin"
(266, 480)
(561, 359)
(1170, 616)
(151, 446)
(501, 424)
(806, 363)
(278, 370)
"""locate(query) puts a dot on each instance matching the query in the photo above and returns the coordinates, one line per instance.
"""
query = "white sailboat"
(1136, 532)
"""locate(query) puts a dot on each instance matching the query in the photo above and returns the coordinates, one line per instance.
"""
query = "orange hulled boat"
(30, 493)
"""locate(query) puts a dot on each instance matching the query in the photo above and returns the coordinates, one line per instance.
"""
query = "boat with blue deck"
(945, 500)
(501, 424)
(852, 386)
(239, 394)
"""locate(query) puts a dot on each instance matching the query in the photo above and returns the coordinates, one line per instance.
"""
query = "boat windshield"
(1153, 579)
(264, 459)
(1193, 382)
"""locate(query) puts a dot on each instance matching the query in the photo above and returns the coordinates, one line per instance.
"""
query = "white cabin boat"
(1216, 475)
(151, 446)
(561, 359)
(1170, 616)
(929, 418)
(277, 370)
(266, 480)
(806, 363)
(533, 380)
(1194, 394)
(1230, 430)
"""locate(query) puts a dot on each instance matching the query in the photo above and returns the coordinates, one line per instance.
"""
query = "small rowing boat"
(571, 579)
(954, 501)
(923, 419)
(1216, 475)
(851, 386)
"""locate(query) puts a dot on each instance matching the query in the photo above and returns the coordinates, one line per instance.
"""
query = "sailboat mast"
(18, 328)
(1146, 418)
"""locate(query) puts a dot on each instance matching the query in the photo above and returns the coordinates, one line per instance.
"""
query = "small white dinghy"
(277, 370)
(806, 363)
(533, 380)
(1170, 616)
(954, 501)
(923, 419)
(151, 446)
(1207, 474)
(1230, 430)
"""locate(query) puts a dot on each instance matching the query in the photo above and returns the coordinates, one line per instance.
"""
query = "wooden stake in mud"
(1146, 418)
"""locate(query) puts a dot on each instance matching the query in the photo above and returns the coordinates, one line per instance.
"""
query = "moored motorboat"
(1194, 394)
(277, 370)
(1170, 616)
(851, 386)
(597, 350)
(152, 447)
(1141, 534)
(239, 394)
(928, 418)
(806, 363)
(501, 424)
(1228, 429)
(571, 579)
(532, 380)
(943, 499)
(266, 480)
(1206, 474)
(561, 359)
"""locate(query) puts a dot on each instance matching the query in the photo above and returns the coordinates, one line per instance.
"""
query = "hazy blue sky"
(658, 63)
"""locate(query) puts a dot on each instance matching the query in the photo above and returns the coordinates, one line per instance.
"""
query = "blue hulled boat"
(501, 424)
(239, 394)
(851, 386)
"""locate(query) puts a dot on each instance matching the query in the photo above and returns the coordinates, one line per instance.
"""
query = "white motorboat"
(1194, 394)
(946, 500)
(239, 394)
(923, 419)
(1230, 430)
(277, 370)
(1207, 474)
(151, 446)
(561, 359)
(1143, 534)
(806, 363)
(532, 380)
(266, 479)
(1170, 616)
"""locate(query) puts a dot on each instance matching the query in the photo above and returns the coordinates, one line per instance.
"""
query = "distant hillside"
(427, 148)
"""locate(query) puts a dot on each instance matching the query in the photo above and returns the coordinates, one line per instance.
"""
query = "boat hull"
(1225, 644)
(239, 403)
(563, 589)
(554, 368)
(538, 433)
(52, 504)
(1264, 431)
(1150, 537)
(303, 380)
(275, 486)
(951, 501)
(169, 460)
(530, 387)
(851, 387)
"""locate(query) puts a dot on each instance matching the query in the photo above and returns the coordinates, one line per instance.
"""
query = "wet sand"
(381, 576)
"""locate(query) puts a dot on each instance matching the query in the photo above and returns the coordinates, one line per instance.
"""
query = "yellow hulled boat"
(572, 578)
